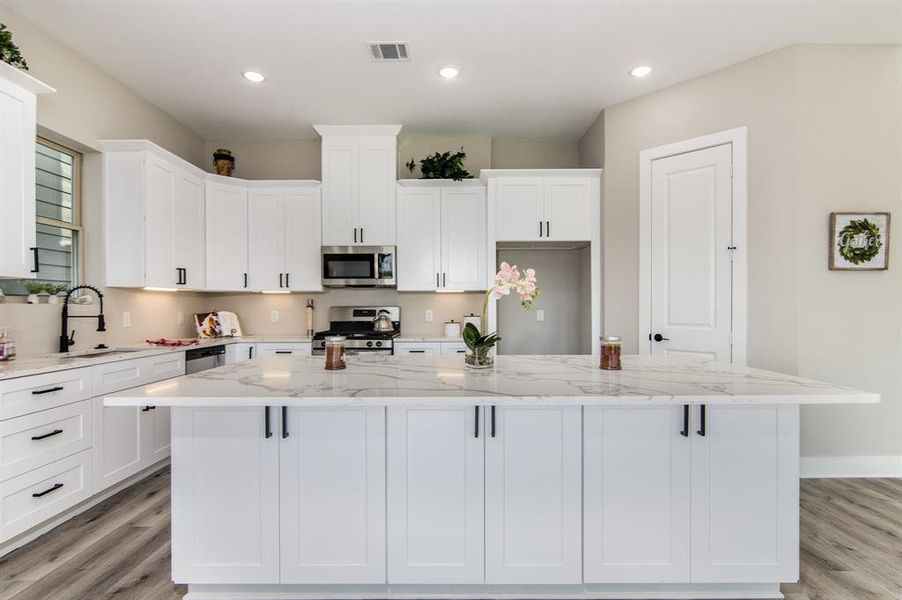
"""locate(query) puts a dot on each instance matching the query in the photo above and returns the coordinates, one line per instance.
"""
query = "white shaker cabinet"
(227, 235)
(533, 495)
(441, 235)
(359, 169)
(284, 238)
(332, 486)
(636, 490)
(225, 495)
(436, 494)
(188, 229)
(520, 206)
(18, 129)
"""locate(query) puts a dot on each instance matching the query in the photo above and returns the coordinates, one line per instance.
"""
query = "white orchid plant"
(508, 279)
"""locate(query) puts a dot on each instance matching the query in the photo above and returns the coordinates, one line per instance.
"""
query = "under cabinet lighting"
(640, 71)
(276, 292)
(254, 76)
(159, 289)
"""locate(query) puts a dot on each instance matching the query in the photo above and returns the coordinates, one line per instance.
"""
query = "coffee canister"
(452, 329)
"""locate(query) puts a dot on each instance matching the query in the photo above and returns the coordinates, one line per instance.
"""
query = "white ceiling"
(529, 69)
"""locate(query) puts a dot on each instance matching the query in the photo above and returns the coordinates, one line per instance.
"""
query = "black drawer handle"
(685, 430)
(267, 427)
(47, 435)
(416, 351)
(477, 423)
(284, 422)
(37, 266)
(55, 487)
(703, 427)
(493, 421)
(58, 388)
(284, 351)
(148, 408)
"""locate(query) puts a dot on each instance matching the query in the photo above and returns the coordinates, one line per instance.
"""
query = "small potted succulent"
(509, 278)
(442, 165)
(34, 289)
(56, 291)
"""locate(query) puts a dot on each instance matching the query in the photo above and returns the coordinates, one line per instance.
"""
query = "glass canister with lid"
(335, 352)
(610, 352)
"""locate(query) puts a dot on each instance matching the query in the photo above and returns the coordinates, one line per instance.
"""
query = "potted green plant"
(55, 290)
(442, 165)
(9, 52)
(34, 288)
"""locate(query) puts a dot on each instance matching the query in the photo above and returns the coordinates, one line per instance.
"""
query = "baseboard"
(39, 530)
(811, 467)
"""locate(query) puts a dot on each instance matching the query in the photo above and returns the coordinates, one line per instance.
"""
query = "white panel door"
(117, 443)
(568, 208)
(17, 181)
(636, 495)
(340, 181)
(519, 209)
(225, 496)
(533, 495)
(691, 269)
(745, 494)
(419, 238)
(417, 349)
(227, 232)
(188, 231)
(266, 239)
(156, 434)
(375, 206)
(332, 464)
(303, 231)
(436, 494)
(159, 240)
(463, 238)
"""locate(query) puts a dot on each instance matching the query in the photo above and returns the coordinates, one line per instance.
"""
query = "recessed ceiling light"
(449, 71)
(640, 71)
(253, 76)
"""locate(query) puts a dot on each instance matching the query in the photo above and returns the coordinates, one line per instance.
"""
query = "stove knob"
(369, 344)
(378, 344)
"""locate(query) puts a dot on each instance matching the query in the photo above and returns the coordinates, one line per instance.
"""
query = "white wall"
(824, 135)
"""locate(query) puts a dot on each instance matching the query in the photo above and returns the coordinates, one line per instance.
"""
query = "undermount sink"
(92, 353)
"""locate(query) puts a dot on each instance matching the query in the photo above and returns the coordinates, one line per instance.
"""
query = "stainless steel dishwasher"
(201, 359)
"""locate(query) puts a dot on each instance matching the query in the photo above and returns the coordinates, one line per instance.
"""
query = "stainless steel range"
(358, 324)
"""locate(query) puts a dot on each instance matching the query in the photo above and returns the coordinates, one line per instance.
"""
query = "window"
(57, 191)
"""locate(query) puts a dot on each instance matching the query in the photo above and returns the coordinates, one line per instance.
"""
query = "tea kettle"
(383, 322)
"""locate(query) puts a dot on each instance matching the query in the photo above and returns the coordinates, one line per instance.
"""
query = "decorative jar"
(335, 353)
(610, 352)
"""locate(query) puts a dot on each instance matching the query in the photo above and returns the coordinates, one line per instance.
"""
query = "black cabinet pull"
(37, 267)
(181, 276)
(266, 427)
(48, 390)
(361, 235)
(547, 228)
(184, 276)
(477, 423)
(250, 352)
(437, 284)
(148, 408)
(286, 280)
(416, 351)
(281, 275)
(355, 235)
(284, 422)
(493, 420)
(685, 430)
(47, 435)
(55, 487)
(540, 229)
(245, 280)
(443, 280)
(703, 428)
(283, 351)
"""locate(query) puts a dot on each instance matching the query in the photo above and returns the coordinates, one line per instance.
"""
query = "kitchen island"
(543, 477)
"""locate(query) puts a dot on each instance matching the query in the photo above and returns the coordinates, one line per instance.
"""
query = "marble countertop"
(23, 366)
(425, 337)
(400, 380)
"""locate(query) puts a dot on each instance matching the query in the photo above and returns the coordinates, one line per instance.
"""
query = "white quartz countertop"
(425, 337)
(554, 380)
(23, 366)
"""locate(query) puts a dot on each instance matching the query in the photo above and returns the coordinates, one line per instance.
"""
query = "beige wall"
(269, 159)
(824, 135)
(478, 149)
(591, 145)
(534, 154)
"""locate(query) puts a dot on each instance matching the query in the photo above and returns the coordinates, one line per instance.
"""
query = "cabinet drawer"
(453, 348)
(32, 498)
(38, 439)
(25, 395)
(116, 376)
(166, 366)
(298, 349)
(418, 349)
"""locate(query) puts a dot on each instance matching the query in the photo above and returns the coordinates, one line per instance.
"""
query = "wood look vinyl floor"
(851, 547)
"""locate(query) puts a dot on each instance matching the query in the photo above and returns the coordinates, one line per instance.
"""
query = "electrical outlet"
(540, 315)
(126, 319)
(273, 316)
(180, 318)
(429, 316)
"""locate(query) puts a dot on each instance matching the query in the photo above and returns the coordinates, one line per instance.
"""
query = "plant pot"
(53, 299)
(32, 299)
(475, 361)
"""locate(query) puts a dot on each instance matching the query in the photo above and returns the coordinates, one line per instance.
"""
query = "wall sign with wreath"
(859, 241)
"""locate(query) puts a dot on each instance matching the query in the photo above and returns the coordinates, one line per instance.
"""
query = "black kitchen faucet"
(66, 341)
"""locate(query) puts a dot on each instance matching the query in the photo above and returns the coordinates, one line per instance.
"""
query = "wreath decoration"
(859, 241)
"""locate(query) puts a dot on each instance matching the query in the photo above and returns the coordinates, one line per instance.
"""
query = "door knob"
(660, 338)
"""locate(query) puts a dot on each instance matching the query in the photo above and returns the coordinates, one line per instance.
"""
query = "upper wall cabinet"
(154, 218)
(227, 235)
(551, 205)
(441, 235)
(18, 129)
(284, 238)
(359, 169)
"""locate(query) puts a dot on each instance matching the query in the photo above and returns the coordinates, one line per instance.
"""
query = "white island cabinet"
(412, 476)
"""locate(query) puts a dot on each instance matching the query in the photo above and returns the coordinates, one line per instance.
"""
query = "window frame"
(76, 224)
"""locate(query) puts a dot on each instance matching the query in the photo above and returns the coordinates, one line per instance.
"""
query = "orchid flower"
(508, 279)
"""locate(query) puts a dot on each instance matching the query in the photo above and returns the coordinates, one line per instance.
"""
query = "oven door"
(358, 266)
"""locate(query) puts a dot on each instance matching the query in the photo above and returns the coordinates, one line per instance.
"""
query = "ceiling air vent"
(388, 51)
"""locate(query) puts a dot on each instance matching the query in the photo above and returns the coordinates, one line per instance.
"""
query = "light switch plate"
(273, 316)
(429, 316)
(540, 315)
(126, 319)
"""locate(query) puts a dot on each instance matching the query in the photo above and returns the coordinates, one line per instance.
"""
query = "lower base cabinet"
(272, 495)
(127, 440)
(700, 494)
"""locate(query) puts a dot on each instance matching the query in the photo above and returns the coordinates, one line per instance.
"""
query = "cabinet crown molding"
(24, 80)
(440, 183)
(486, 174)
(357, 130)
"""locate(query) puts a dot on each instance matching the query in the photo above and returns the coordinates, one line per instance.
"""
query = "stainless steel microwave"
(358, 266)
